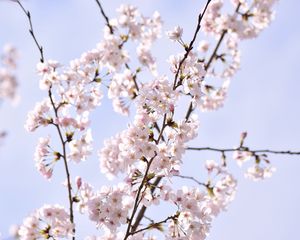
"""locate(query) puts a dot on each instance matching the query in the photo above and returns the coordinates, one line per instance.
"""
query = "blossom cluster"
(100, 208)
(195, 208)
(247, 20)
(260, 170)
(46, 223)
(72, 94)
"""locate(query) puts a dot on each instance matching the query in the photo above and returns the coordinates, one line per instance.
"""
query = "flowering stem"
(137, 198)
(175, 85)
(105, 17)
(208, 64)
(64, 156)
(142, 211)
(63, 142)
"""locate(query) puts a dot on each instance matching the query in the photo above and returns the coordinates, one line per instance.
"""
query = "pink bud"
(171, 108)
(243, 135)
(78, 181)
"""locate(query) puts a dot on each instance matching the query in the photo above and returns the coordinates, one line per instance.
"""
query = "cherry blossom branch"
(209, 62)
(160, 137)
(64, 156)
(158, 130)
(214, 54)
(39, 46)
(136, 203)
(55, 109)
(142, 211)
(134, 76)
(164, 124)
(105, 17)
(190, 47)
(242, 149)
(156, 225)
(123, 42)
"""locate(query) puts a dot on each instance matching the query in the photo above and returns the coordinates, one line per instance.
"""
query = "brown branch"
(188, 49)
(39, 46)
(143, 209)
(64, 156)
(55, 109)
(111, 30)
(208, 64)
(193, 179)
(156, 225)
(164, 124)
(214, 54)
(242, 149)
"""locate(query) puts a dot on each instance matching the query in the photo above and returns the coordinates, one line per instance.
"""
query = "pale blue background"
(263, 99)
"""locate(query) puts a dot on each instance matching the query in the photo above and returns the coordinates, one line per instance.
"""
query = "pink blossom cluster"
(8, 80)
(260, 170)
(196, 208)
(123, 153)
(109, 208)
(247, 20)
(72, 94)
(48, 222)
(262, 166)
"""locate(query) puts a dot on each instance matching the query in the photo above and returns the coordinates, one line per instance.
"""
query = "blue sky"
(263, 99)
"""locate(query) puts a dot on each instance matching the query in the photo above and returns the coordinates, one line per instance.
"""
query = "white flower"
(175, 34)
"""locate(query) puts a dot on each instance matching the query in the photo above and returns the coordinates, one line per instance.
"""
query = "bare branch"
(242, 149)
(193, 179)
(156, 225)
(105, 17)
(39, 46)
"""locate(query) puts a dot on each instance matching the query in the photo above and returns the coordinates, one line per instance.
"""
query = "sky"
(263, 100)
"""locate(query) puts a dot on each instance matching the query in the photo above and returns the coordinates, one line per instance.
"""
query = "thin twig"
(64, 156)
(105, 17)
(55, 109)
(155, 225)
(164, 124)
(242, 149)
(214, 54)
(193, 179)
(39, 46)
